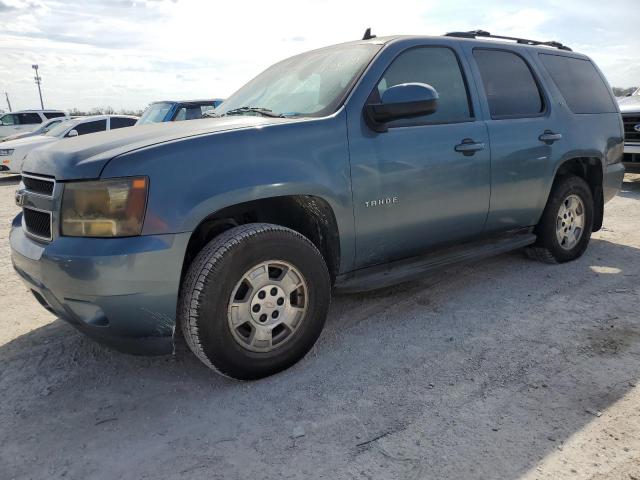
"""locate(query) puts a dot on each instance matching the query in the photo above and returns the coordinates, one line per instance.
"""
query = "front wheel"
(564, 230)
(254, 300)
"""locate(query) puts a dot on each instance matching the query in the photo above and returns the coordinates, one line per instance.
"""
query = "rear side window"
(28, 118)
(91, 127)
(121, 122)
(579, 83)
(509, 84)
(53, 114)
(435, 66)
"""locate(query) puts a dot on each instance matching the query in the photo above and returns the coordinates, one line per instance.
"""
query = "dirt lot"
(503, 369)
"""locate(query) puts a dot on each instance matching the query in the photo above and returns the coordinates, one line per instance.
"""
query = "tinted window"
(508, 83)
(188, 113)
(434, 66)
(28, 118)
(53, 114)
(580, 84)
(121, 122)
(91, 127)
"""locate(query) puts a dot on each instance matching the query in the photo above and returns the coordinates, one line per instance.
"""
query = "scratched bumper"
(122, 292)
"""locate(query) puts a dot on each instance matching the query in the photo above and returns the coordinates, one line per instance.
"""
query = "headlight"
(5, 152)
(104, 208)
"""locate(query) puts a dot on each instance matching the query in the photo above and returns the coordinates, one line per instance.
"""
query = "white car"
(13, 152)
(26, 120)
(41, 130)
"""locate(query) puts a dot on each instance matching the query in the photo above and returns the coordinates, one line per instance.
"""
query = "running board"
(385, 275)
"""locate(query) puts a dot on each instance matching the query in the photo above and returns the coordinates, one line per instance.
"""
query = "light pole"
(8, 102)
(38, 80)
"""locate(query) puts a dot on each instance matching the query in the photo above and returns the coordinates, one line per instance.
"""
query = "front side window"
(579, 83)
(509, 84)
(311, 84)
(435, 66)
(189, 113)
(9, 119)
(91, 127)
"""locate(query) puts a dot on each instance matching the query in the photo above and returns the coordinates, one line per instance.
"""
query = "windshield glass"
(155, 113)
(59, 130)
(311, 84)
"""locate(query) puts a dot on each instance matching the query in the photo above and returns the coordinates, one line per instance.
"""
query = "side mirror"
(72, 133)
(407, 100)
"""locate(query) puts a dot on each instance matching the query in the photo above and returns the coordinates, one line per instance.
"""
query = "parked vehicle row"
(350, 167)
(13, 153)
(26, 120)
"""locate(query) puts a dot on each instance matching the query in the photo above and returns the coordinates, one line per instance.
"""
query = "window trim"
(543, 94)
(472, 114)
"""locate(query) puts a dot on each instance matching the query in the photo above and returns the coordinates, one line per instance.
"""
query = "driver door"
(412, 190)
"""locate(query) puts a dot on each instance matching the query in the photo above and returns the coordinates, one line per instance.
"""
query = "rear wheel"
(254, 300)
(565, 228)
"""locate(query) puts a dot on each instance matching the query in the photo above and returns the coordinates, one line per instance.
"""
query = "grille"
(38, 185)
(38, 223)
(630, 133)
(631, 158)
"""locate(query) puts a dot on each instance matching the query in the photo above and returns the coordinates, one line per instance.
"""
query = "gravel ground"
(503, 369)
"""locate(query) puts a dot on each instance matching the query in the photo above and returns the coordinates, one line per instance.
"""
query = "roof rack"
(523, 41)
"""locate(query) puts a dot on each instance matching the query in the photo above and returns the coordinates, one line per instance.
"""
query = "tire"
(548, 247)
(236, 273)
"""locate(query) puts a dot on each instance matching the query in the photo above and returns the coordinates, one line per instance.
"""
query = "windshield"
(155, 113)
(311, 84)
(61, 129)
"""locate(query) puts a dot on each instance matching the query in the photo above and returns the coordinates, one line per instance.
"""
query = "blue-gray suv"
(351, 167)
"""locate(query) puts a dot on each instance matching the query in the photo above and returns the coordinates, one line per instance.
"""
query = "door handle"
(549, 137)
(468, 147)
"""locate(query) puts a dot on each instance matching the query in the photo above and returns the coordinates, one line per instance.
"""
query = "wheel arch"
(590, 169)
(309, 215)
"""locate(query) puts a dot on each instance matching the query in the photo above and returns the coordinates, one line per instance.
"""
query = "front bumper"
(612, 180)
(122, 292)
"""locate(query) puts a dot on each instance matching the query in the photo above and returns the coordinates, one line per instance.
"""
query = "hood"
(30, 142)
(629, 104)
(85, 156)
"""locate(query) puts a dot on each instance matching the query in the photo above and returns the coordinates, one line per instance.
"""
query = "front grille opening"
(630, 132)
(631, 158)
(38, 185)
(38, 223)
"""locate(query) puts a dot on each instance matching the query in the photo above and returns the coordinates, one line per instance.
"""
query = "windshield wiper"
(262, 111)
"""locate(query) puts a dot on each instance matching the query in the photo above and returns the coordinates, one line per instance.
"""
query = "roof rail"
(524, 41)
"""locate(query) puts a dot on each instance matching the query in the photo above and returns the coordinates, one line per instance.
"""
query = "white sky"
(127, 53)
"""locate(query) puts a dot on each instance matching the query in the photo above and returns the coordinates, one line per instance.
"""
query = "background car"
(26, 120)
(175, 111)
(41, 130)
(13, 153)
(630, 109)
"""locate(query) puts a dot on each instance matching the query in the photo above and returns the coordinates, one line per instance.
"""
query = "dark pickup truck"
(350, 167)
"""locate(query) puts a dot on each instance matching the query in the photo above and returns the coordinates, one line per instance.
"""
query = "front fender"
(196, 177)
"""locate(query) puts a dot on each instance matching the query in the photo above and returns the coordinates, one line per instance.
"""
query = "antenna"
(368, 35)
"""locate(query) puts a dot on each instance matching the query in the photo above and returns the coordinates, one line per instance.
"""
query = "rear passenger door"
(525, 135)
